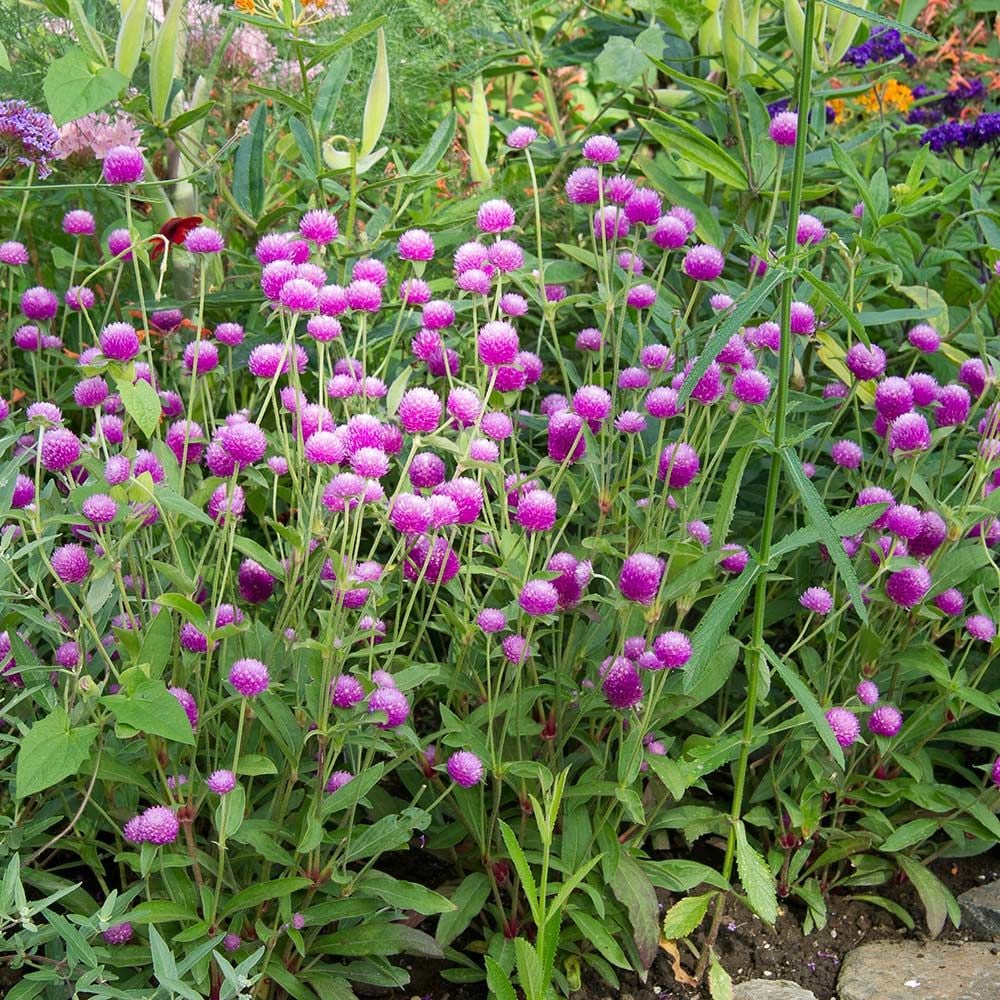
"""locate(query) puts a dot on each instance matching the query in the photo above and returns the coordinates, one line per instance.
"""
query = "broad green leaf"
(929, 299)
(468, 901)
(438, 144)
(380, 938)
(849, 523)
(141, 403)
(281, 97)
(178, 123)
(4, 58)
(807, 702)
(899, 912)
(160, 911)
(681, 875)
(686, 141)
(323, 52)
(50, 752)
(157, 644)
(914, 832)
(477, 134)
(938, 902)
(229, 812)
(405, 895)
(820, 517)
(756, 878)
(151, 708)
(248, 167)
(595, 932)
(720, 983)
(708, 227)
(635, 892)
(621, 61)
(264, 892)
(163, 59)
(377, 102)
(73, 87)
(830, 296)
(686, 915)
(684, 16)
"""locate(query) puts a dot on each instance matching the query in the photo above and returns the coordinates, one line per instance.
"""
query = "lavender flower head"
(27, 137)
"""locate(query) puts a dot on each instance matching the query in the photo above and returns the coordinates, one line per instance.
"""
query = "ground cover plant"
(435, 536)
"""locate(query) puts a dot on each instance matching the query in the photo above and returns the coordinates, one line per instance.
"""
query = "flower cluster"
(27, 137)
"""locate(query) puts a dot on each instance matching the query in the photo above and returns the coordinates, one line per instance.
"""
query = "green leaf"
(899, 912)
(468, 901)
(938, 902)
(928, 299)
(160, 911)
(523, 869)
(229, 813)
(380, 938)
(829, 294)
(714, 625)
(323, 52)
(595, 932)
(264, 892)
(635, 892)
(178, 123)
(914, 832)
(821, 519)
(680, 875)
(850, 522)
(756, 878)
(498, 981)
(686, 915)
(8, 480)
(405, 895)
(281, 97)
(151, 708)
(141, 403)
(684, 16)
(720, 983)
(695, 147)
(870, 15)
(248, 168)
(259, 554)
(4, 58)
(304, 140)
(74, 87)
(328, 95)
(807, 702)
(621, 61)
(438, 144)
(157, 644)
(50, 752)
(163, 59)
(708, 225)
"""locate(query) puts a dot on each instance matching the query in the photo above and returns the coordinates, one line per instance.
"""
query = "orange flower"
(891, 96)
(247, 6)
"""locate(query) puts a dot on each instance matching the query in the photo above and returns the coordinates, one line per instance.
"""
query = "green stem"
(774, 475)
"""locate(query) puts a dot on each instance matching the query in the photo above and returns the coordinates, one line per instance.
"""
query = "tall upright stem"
(757, 666)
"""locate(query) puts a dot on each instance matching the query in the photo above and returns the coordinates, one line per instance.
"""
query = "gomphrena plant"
(381, 576)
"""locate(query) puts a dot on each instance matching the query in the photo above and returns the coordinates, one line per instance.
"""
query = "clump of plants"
(392, 569)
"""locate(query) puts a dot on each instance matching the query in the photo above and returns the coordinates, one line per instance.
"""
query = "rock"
(771, 989)
(981, 910)
(908, 970)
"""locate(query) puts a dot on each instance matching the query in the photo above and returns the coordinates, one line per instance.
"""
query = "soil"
(749, 950)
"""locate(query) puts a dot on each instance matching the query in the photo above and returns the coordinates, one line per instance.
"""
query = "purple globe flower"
(981, 627)
(678, 465)
(817, 600)
(908, 587)
(865, 363)
(784, 128)
(924, 338)
(120, 244)
(61, 448)
(160, 825)
(538, 597)
(393, 702)
(809, 230)
(491, 620)
(13, 254)
(703, 262)
(909, 433)
(640, 576)
(319, 226)
(71, 563)
(495, 216)
(601, 149)
(622, 684)
(221, 782)
(867, 692)
(672, 649)
(465, 768)
(415, 245)
(123, 165)
(39, 303)
(670, 233)
(346, 691)
(752, 386)
(845, 726)
(119, 342)
(335, 782)
(536, 511)
(995, 774)
(79, 222)
(846, 454)
(204, 239)
(735, 559)
(521, 137)
(950, 601)
(583, 186)
(885, 721)
(250, 677)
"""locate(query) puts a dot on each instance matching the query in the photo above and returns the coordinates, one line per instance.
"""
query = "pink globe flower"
(123, 165)
(465, 768)
(415, 245)
(867, 692)
(79, 222)
(495, 216)
(672, 649)
(908, 587)
(249, 677)
(885, 721)
(204, 240)
(319, 226)
(538, 597)
(845, 726)
(393, 703)
(678, 465)
(784, 128)
(640, 576)
(521, 137)
(221, 782)
(703, 262)
(601, 149)
(817, 600)
(160, 825)
(622, 684)
(71, 563)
